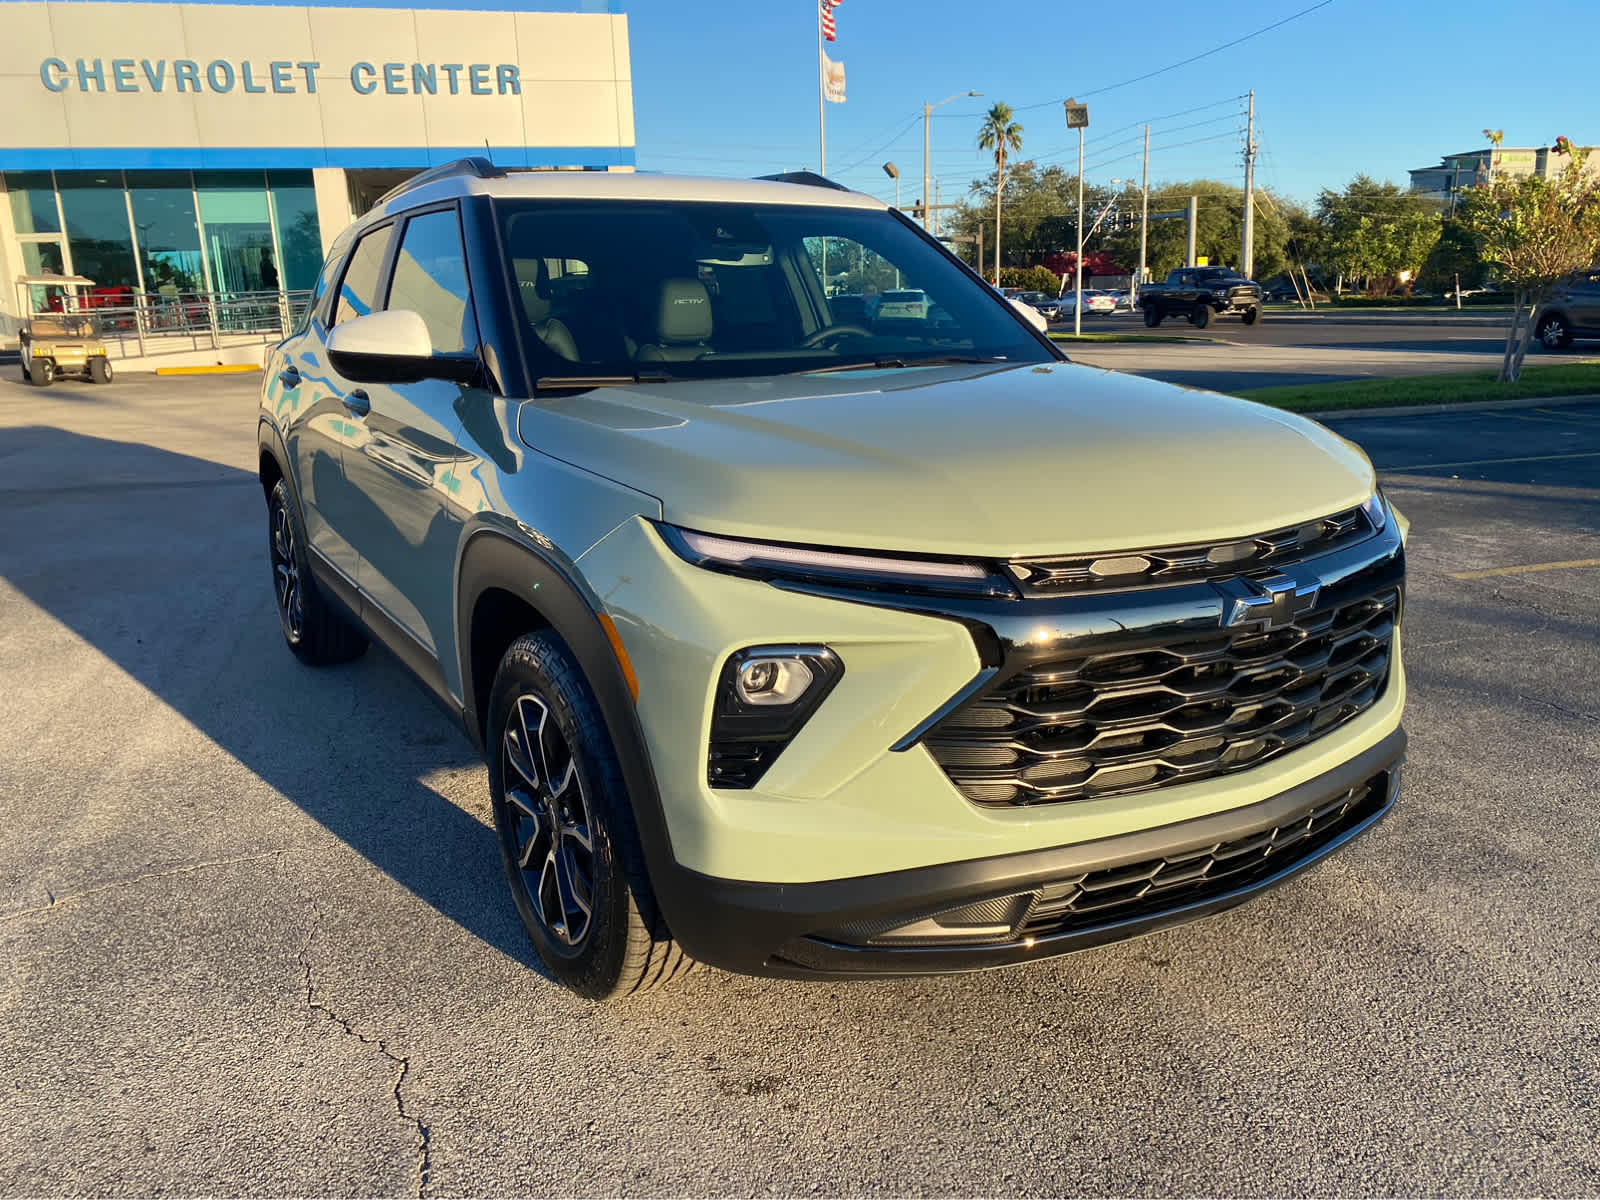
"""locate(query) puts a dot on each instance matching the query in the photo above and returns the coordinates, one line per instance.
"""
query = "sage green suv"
(814, 643)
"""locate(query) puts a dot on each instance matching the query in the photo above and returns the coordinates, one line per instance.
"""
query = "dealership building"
(201, 147)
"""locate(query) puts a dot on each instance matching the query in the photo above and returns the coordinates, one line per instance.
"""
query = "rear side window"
(430, 278)
(358, 292)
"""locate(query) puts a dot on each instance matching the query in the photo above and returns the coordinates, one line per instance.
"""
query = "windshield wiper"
(556, 383)
(892, 364)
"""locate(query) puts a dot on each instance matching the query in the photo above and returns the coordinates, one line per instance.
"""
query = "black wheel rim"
(547, 818)
(286, 574)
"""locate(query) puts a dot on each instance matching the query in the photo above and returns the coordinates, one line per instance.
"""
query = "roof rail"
(806, 178)
(477, 166)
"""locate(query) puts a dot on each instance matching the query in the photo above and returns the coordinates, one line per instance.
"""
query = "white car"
(906, 304)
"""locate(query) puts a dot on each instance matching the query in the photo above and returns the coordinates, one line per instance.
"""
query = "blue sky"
(729, 88)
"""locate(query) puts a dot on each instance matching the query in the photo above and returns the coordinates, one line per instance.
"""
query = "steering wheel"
(827, 333)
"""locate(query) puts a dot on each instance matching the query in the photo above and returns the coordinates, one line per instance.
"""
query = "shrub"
(1031, 279)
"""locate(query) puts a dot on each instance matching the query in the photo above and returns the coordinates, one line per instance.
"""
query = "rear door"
(404, 472)
(339, 406)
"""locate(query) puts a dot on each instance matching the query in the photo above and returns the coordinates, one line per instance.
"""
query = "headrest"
(683, 314)
(533, 286)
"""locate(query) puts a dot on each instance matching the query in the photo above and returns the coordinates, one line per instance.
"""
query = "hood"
(967, 460)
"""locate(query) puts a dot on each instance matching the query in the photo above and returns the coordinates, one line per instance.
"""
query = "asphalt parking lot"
(256, 940)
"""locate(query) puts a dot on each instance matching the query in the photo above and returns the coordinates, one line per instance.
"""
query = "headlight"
(1376, 510)
(777, 561)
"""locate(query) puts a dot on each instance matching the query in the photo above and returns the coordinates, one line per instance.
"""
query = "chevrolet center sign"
(285, 78)
(106, 84)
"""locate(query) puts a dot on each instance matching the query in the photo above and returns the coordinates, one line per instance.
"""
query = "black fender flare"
(491, 559)
(269, 439)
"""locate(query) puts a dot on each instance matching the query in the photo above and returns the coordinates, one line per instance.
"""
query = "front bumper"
(889, 924)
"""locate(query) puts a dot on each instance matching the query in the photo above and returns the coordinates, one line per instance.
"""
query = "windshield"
(617, 290)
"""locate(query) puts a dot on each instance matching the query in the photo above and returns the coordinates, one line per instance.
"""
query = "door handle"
(289, 377)
(358, 402)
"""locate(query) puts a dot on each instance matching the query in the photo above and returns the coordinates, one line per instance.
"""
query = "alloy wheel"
(1553, 334)
(286, 574)
(550, 821)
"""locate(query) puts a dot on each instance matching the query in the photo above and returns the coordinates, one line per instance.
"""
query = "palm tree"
(999, 133)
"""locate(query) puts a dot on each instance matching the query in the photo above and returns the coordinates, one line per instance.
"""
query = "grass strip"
(1463, 387)
(1122, 337)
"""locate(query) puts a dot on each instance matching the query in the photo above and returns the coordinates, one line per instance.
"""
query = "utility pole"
(1144, 221)
(1247, 256)
(1194, 221)
(938, 207)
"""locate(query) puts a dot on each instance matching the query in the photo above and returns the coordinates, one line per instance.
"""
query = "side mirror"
(1033, 316)
(394, 347)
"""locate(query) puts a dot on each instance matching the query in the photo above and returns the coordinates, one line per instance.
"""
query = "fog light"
(778, 680)
(765, 696)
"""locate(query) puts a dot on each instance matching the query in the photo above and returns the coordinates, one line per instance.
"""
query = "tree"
(1537, 230)
(1377, 232)
(999, 133)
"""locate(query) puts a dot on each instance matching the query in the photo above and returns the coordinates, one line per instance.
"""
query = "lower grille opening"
(1130, 891)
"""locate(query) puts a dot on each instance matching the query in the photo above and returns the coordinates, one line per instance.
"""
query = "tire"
(1152, 316)
(1554, 332)
(42, 373)
(1201, 316)
(561, 807)
(313, 630)
(100, 369)
(1250, 316)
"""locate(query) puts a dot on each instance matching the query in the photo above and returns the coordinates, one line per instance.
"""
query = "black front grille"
(1194, 876)
(1060, 575)
(1115, 719)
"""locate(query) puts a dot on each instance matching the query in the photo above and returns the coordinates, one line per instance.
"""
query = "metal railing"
(154, 321)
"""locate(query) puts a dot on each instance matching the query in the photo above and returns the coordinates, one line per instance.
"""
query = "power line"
(1304, 12)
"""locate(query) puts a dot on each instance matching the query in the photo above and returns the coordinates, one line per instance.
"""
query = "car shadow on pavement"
(158, 561)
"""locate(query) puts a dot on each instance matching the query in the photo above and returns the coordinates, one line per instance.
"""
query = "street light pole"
(927, 120)
(1078, 118)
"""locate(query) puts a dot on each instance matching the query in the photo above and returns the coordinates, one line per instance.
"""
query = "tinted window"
(358, 293)
(703, 289)
(430, 278)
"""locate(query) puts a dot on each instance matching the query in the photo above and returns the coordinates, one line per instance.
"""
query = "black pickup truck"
(1197, 292)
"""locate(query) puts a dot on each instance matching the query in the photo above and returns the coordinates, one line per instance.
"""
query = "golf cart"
(58, 336)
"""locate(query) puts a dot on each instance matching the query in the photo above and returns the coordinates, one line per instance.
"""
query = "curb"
(1474, 321)
(1417, 410)
(219, 369)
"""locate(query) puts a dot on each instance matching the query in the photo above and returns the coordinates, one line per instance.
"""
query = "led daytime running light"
(744, 554)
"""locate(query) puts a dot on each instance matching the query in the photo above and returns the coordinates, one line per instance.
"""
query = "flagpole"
(822, 100)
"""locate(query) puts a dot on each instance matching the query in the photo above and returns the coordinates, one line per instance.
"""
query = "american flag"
(828, 29)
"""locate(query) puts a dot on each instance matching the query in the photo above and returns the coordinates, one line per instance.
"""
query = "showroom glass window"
(430, 278)
(238, 230)
(167, 234)
(294, 206)
(98, 234)
(33, 202)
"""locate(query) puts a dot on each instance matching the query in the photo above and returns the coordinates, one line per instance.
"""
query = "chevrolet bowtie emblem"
(1271, 602)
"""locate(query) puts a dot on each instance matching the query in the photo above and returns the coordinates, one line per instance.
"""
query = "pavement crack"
(401, 1063)
(1571, 712)
(53, 901)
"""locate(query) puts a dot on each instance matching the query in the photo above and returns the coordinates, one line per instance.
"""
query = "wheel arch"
(506, 587)
(272, 459)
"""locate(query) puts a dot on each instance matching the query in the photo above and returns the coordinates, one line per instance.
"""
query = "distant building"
(1457, 171)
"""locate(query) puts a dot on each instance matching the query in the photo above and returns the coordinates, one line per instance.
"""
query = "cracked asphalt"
(254, 939)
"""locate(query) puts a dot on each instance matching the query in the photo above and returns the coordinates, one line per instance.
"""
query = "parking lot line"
(1491, 462)
(1571, 564)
